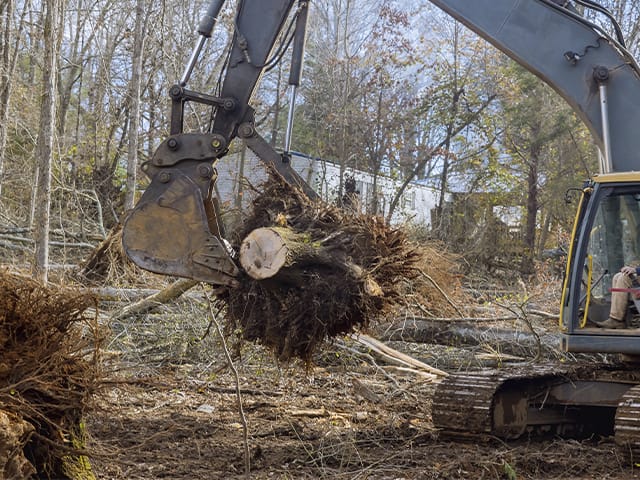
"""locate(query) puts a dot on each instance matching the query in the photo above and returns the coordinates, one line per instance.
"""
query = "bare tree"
(458, 94)
(134, 103)
(44, 147)
(9, 46)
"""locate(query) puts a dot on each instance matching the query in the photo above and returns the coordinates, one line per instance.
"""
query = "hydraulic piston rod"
(205, 29)
(296, 68)
(601, 75)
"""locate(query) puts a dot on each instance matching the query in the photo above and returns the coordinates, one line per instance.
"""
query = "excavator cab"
(606, 237)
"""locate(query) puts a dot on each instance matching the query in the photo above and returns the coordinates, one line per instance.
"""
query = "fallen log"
(516, 342)
(30, 241)
(117, 294)
(267, 252)
(147, 304)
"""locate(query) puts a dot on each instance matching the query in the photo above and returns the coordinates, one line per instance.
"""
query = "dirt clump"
(14, 433)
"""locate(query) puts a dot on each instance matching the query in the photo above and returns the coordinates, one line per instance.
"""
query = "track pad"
(168, 232)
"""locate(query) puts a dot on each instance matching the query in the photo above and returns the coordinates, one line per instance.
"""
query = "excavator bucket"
(173, 230)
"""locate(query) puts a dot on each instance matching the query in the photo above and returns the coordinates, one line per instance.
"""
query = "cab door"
(606, 237)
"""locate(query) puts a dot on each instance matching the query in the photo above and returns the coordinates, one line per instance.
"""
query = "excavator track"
(463, 403)
(627, 424)
(575, 401)
(494, 402)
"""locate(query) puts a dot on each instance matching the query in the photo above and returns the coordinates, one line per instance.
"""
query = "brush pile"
(108, 263)
(48, 369)
(343, 270)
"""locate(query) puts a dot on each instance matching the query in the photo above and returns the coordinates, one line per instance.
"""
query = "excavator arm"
(175, 228)
(589, 68)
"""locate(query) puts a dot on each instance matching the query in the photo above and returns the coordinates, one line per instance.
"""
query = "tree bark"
(134, 110)
(527, 265)
(276, 110)
(270, 251)
(44, 147)
(9, 47)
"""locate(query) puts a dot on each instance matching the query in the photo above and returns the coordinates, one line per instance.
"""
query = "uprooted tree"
(48, 370)
(314, 271)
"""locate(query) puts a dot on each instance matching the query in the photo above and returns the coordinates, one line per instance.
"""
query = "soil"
(344, 418)
(168, 406)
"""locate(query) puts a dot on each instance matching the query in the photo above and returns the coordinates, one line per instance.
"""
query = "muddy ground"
(168, 409)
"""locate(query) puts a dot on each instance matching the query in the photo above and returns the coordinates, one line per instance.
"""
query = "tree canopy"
(394, 88)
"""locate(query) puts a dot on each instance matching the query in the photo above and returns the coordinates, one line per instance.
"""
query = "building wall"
(415, 205)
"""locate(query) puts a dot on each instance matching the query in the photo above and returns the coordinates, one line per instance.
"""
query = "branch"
(394, 355)
(243, 418)
(164, 296)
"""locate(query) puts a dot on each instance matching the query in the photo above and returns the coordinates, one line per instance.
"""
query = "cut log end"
(263, 253)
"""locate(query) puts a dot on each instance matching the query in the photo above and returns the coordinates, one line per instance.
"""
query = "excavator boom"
(591, 70)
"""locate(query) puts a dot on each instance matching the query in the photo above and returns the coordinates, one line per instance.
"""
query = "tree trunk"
(44, 147)
(5, 81)
(527, 266)
(270, 251)
(276, 110)
(544, 234)
(9, 48)
(265, 251)
(134, 110)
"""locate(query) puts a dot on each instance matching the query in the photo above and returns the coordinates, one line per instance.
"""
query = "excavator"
(175, 228)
